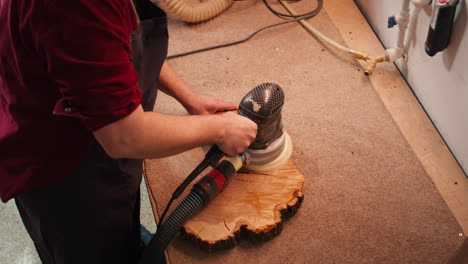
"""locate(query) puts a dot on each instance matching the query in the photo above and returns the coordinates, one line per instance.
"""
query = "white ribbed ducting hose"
(192, 12)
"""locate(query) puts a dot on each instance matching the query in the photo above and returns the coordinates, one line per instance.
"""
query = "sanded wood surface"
(254, 204)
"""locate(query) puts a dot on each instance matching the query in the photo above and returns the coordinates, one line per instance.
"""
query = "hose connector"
(370, 60)
(403, 19)
(372, 63)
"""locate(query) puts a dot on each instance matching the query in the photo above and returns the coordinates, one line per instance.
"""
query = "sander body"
(272, 147)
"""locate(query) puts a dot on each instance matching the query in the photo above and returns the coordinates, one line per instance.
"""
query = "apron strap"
(145, 9)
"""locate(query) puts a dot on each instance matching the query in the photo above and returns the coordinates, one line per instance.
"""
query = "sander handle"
(212, 157)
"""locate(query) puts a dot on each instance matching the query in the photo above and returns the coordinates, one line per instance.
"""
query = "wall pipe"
(403, 19)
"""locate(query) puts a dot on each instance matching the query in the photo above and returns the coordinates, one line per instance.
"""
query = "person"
(78, 84)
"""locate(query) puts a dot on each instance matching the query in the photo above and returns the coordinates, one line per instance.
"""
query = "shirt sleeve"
(86, 47)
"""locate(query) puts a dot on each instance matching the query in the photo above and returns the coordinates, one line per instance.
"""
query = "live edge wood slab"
(253, 205)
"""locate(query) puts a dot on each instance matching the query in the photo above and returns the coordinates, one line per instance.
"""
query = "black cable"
(296, 18)
(307, 15)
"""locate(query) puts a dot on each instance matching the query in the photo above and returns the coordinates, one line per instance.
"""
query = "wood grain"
(253, 205)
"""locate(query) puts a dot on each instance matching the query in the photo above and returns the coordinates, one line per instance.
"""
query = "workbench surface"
(367, 196)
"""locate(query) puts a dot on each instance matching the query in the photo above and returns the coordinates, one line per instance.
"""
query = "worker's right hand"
(238, 134)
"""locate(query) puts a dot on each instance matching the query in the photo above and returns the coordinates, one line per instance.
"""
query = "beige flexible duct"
(193, 12)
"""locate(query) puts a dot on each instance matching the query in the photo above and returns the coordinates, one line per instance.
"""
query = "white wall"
(439, 82)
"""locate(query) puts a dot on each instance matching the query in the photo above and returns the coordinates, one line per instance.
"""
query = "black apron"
(92, 215)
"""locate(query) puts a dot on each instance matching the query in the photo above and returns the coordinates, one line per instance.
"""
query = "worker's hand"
(237, 135)
(200, 104)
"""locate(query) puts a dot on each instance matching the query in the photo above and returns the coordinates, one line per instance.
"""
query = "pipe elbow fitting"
(394, 54)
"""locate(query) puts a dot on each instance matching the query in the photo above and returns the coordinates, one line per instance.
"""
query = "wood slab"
(253, 205)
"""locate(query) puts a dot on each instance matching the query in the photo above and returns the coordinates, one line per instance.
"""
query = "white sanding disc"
(279, 161)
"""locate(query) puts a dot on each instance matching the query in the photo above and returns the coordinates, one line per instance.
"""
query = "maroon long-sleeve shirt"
(65, 71)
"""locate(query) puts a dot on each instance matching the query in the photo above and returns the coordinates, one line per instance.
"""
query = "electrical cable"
(295, 19)
(305, 15)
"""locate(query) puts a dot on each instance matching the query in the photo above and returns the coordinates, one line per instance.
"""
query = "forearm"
(194, 103)
(171, 84)
(155, 135)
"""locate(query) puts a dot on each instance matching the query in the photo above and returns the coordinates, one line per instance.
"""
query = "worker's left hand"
(200, 104)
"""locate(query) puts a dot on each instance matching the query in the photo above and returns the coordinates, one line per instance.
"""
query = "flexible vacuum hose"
(201, 194)
(190, 206)
(196, 12)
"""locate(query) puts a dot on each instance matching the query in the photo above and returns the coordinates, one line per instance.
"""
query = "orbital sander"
(271, 149)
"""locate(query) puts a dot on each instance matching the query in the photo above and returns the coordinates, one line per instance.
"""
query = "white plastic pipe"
(402, 19)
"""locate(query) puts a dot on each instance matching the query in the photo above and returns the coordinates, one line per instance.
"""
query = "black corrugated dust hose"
(202, 192)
